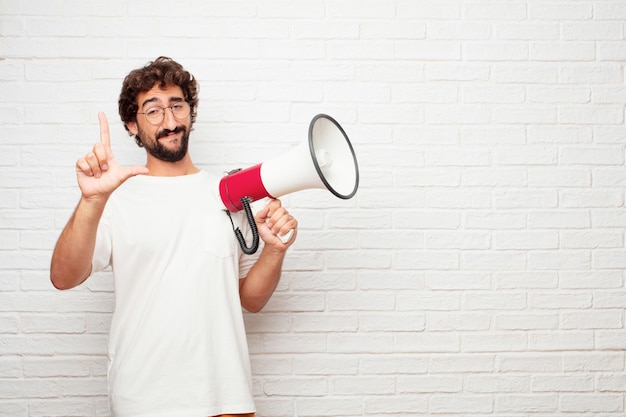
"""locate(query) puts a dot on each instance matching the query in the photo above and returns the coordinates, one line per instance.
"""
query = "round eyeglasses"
(154, 115)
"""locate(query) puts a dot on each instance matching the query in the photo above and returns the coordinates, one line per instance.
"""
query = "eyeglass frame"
(162, 113)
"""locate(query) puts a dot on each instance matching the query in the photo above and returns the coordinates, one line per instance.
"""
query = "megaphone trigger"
(286, 237)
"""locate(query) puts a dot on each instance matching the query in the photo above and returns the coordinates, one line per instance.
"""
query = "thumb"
(262, 214)
(128, 172)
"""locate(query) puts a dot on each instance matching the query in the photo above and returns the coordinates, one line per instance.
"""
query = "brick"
(560, 300)
(611, 339)
(458, 281)
(593, 362)
(526, 240)
(543, 260)
(429, 260)
(428, 342)
(441, 71)
(456, 321)
(492, 261)
(310, 386)
(498, 384)
(587, 280)
(591, 115)
(601, 319)
(44, 323)
(585, 403)
(363, 385)
(46, 367)
(366, 9)
(295, 343)
(589, 239)
(323, 281)
(561, 383)
(65, 407)
(561, 11)
(428, 301)
(360, 343)
(496, 51)
(468, 363)
(529, 362)
(328, 406)
(548, 403)
(324, 323)
(557, 341)
(10, 367)
(393, 364)
(494, 342)
(429, 384)
(562, 51)
(526, 279)
(612, 383)
(457, 29)
(560, 134)
(329, 364)
(524, 31)
(391, 322)
(429, 9)
(14, 408)
(527, 321)
(591, 31)
(486, 10)
(355, 301)
(460, 404)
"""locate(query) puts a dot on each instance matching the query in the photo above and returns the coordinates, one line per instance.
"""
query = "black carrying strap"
(248, 250)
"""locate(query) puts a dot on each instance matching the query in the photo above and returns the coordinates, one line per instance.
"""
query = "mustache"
(166, 132)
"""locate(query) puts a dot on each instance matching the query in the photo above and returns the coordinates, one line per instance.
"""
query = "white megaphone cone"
(326, 160)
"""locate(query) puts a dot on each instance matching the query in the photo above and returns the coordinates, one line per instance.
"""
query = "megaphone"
(325, 161)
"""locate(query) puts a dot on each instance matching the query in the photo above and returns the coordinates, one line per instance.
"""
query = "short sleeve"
(102, 252)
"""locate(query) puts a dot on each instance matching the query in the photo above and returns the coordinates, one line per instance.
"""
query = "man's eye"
(153, 111)
(178, 107)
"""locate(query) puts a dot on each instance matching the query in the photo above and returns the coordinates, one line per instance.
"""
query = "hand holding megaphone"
(326, 160)
(274, 222)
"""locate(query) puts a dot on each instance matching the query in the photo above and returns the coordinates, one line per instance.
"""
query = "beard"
(159, 151)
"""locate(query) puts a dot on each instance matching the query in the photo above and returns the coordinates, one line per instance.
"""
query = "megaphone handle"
(248, 250)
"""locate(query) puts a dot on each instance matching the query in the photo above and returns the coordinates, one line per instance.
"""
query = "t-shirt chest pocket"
(218, 235)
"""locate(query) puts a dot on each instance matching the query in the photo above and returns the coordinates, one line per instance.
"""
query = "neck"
(159, 168)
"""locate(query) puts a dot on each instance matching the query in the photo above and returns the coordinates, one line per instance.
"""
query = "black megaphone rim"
(317, 166)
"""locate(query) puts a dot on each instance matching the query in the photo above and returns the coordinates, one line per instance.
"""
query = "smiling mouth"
(171, 137)
(170, 134)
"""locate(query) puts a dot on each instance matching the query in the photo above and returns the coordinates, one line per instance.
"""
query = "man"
(177, 343)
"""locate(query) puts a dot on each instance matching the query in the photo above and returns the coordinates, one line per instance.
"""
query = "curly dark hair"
(163, 71)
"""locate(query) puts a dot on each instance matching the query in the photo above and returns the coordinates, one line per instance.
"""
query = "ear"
(132, 127)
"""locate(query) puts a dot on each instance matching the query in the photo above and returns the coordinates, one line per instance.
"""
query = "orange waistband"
(236, 415)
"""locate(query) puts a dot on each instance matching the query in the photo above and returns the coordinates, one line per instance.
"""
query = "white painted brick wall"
(480, 268)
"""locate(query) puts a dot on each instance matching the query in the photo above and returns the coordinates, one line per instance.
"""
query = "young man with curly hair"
(177, 345)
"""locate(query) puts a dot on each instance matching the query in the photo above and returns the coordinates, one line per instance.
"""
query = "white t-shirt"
(177, 344)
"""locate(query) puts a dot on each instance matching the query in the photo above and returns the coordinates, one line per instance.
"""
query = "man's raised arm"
(98, 175)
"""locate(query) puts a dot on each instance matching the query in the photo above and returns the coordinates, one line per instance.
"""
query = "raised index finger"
(105, 137)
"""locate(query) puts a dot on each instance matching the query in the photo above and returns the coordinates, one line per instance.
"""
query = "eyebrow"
(174, 99)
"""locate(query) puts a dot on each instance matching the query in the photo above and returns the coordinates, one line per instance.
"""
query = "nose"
(169, 121)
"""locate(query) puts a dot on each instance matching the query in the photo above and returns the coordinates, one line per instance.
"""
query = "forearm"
(71, 259)
(261, 282)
